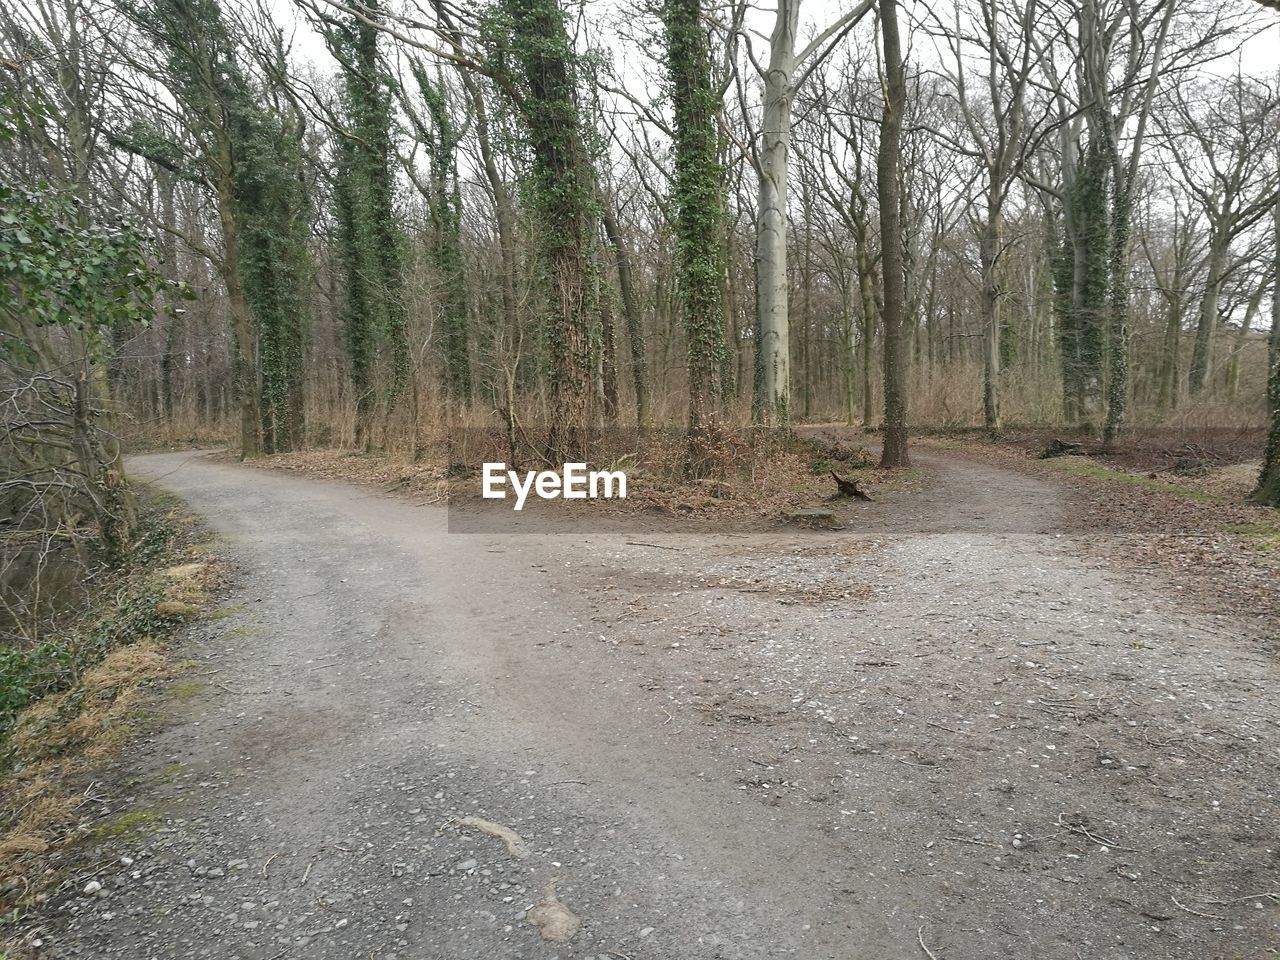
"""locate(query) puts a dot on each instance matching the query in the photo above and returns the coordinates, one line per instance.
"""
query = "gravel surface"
(949, 730)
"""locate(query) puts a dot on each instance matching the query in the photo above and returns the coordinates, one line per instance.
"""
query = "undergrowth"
(70, 701)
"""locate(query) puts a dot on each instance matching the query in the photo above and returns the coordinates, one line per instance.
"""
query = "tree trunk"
(889, 188)
(1169, 351)
(866, 342)
(1202, 351)
(630, 310)
(699, 222)
(561, 191)
(1118, 313)
(989, 253)
(1269, 478)
(1242, 338)
(771, 226)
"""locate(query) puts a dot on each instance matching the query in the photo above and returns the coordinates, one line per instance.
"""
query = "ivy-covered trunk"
(444, 203)
(1269, 478)
(370, 245)
(1082, 276)
(274, 261)
(562, 196)
(699, 220)
(1118, 311)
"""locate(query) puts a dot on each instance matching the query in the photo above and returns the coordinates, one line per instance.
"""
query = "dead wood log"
(849, 488)
(1060, 448)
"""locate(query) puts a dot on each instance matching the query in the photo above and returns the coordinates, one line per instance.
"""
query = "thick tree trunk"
(1207, 322)
(699, 222)
(889, 188)
(1118, 315)
(242, 325)
(562, 194)
(773, 321)
(1269, 478)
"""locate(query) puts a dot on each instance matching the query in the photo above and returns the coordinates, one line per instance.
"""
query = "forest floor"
(995, 716)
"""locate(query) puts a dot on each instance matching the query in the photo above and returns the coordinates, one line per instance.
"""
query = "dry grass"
(56, 742)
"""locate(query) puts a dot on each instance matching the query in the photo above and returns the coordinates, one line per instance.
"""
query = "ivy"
(371, 248)
(60, 268)
(440, 138)
(699, 204)
(274, 264)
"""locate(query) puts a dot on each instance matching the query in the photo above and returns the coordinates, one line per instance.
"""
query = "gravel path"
(952, 730)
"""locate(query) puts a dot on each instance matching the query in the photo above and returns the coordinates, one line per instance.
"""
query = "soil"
(956, 728)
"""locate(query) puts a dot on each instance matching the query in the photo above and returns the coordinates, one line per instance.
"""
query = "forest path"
(953, 726)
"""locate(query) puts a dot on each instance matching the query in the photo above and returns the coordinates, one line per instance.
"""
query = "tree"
(1001, 131)
(1269, 477)
(60, 271)
(275, 262)
(534, 58)
(370, 243)
(780, 87)
(438, 133)
(698, 189)
(1222, 138)
(889, 190)
(247, 158)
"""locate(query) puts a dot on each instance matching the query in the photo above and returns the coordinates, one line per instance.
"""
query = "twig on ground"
(1086, 832)
(923, 946)
(1273, 895)
(980, 843)
(1194, 913)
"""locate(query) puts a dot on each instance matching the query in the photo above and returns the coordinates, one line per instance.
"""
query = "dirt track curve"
(950, 731)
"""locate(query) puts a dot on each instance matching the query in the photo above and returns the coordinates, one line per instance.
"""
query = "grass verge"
(70, 702)
(1096, 472)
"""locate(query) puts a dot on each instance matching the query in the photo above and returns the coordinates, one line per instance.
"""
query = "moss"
(186, 690)
(1158, 486)
(1259, 536)
(132, 824)
(225, 612)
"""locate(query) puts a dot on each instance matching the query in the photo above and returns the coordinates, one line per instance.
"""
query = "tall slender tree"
(889, 189)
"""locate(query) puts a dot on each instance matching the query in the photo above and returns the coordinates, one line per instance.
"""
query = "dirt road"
(951, 733)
